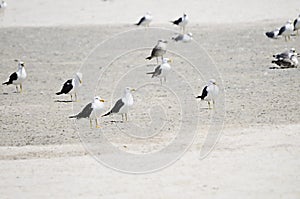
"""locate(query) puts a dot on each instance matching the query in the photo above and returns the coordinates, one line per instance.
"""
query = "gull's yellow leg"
(97, 126)
(91, 125)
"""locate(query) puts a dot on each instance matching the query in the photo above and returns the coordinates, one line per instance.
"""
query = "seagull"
(3, 4)
(183, 37)
(297, 24)
(162, 70)
(159, 50)
(287, 30)
(289, 61)
(123, 105)
(273, 34)
(210, 92)
(145, 20)
(92, 111)
(17, 78)
(182, 22)
(71, 86)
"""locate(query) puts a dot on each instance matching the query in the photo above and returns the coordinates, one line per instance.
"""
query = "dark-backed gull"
(71, 86)
(181, 22)
(159, 50)
(123, 105)
(17, 78)
(145, 20)
(92, 110)
(162, 70)
(210, 92)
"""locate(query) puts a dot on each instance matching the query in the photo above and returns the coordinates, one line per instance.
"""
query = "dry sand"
(257, 155)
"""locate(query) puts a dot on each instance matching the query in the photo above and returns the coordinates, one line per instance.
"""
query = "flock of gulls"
(94, 109)
(289, 58)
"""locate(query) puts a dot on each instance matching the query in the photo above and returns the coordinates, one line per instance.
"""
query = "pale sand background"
(257, 155)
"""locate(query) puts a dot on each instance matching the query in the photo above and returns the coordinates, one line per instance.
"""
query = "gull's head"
(78, 75)
(212, 81)
(129, 90)
(289, 21)
(21, 64)
(166, 60)
(293, 50)
(148, 13)
(97, 98)
(162, 41)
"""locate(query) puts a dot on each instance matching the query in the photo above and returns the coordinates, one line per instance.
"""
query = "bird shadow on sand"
(63, 101)
(114, 121)
(148, 65)
(205, 108)
(6, 93)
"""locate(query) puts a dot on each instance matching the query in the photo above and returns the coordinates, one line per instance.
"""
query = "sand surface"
(41, 155)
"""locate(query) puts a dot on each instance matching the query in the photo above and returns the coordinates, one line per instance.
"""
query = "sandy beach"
(43, 154)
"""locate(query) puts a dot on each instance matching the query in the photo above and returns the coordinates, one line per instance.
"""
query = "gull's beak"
(80, 81)
(170, 61)
(133, 89)
(215, 83)
(102, 100)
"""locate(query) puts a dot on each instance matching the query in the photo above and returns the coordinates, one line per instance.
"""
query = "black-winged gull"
(162, 70)
(210, 92)
(71, 86)
(123, 105)
(145, 20)
(92, 110)
(17, 78)
(159, 50)
(181, 22)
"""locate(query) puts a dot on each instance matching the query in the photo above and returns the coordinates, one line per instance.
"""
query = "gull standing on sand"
(71, 86)
(159, 50)
(210, 92)
(287, 30)
(273, 34)
(145, 20)
(92, 110)
(17, 78)
(181, 22)
(297, 24)
(123, 105)
(185, 38)
(162, 70)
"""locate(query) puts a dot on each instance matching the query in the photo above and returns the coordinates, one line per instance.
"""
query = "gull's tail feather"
(59, 93)
(149, 58)
(270, 34)
(200, 96)
(106, 114)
